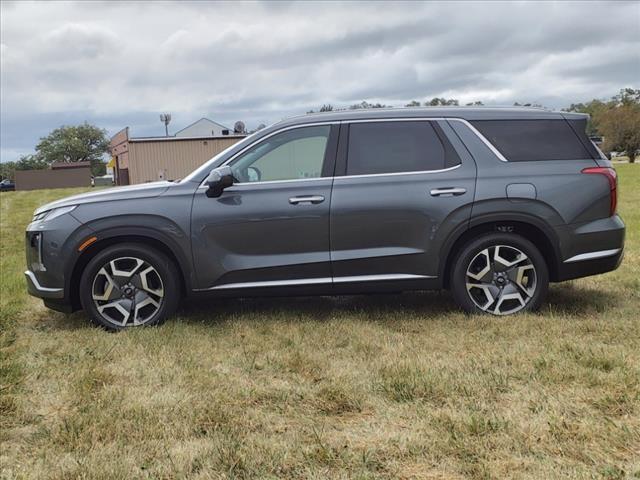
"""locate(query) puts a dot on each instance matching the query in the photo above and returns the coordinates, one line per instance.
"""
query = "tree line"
(616, 120)
(70, 144)
(434, 102)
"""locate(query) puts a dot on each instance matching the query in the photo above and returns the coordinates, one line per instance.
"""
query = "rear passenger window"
(392, 147)
(527, 140)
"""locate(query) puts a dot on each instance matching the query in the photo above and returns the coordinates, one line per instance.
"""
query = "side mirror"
(219, 179)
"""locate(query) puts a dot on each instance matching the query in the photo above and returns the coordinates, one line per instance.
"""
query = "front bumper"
(34, 288)
(51, 250)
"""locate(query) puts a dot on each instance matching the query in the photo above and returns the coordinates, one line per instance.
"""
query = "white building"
(204, 128)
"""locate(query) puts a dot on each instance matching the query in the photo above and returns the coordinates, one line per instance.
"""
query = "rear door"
(401, 188)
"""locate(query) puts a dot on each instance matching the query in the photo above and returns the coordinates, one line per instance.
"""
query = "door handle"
(306, 199)
(440, 192)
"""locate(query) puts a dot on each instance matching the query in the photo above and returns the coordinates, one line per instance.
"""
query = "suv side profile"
(491, 203)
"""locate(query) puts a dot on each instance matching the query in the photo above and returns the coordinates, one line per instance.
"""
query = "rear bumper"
(602, 262)
(591, 248)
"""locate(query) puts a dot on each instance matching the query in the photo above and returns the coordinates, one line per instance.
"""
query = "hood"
(145, 190)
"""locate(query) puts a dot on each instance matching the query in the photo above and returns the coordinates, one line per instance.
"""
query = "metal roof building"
(149, 159)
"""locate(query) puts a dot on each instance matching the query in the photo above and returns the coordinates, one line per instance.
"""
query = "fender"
(489, 219)
(165, 232)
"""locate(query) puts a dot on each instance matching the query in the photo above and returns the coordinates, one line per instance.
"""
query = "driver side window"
(291, 155)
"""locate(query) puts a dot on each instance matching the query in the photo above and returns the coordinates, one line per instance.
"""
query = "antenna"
(165, 118)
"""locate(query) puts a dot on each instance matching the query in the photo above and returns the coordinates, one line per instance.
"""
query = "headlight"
(39, 216)
(53, 213)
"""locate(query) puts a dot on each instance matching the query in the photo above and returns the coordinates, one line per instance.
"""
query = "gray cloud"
(118, 64)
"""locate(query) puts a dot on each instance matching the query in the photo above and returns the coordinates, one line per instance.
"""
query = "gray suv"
(490, 203)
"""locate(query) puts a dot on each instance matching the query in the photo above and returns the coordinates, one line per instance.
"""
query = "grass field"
(386, 386)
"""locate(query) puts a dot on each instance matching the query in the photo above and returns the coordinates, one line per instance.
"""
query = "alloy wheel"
(127, 291)
(501, 280)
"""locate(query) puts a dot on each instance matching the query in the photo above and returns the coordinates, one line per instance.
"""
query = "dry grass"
(387, 386)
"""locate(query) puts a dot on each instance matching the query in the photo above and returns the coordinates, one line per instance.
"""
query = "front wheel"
(129, 285)
(499, 274)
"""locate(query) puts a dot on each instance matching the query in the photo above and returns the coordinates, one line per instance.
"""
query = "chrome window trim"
(347, 177)
(593, 255)
(437, 119)
(394, 174)
(484, 139)
(317, 281)
(284, 129)
(261, 139)
(268, 182)
(474, 130)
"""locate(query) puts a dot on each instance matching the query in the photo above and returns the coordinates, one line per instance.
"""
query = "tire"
(129, 285)
(499, 274)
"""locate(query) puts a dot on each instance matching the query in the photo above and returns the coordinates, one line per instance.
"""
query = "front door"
(400, 189)
(271, 228)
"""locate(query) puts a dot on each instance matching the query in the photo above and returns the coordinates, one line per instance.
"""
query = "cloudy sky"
(121, 64)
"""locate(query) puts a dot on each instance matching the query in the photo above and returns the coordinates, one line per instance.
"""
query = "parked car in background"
(102, 181)
(490, 203)
(7, 185)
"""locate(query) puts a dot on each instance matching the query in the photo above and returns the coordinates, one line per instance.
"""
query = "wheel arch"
(141, 236)
(535, 230)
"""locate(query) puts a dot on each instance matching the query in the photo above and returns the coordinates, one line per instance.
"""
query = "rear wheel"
(129, 285)
(500, 274)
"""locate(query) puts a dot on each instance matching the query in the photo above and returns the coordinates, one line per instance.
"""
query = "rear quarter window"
(532, 140)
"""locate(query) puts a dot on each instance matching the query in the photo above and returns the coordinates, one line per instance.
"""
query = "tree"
(474, 104)
(25, 162)
(593, 108)
(620, 124)
(326, 107)
(617, 120)
(436, 102)
(413, 103)
(7, 170)
(31, 162)
(536, 105)
(365, 104)
(75, 144)
(627, 96)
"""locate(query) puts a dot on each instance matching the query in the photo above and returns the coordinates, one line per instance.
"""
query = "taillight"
(612, 177)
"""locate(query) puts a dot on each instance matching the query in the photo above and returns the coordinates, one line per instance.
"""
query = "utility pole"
(165, 118)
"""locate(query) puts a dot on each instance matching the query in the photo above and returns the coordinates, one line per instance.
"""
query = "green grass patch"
(386, 386)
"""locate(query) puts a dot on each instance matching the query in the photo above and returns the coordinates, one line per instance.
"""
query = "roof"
(181, 139)
(202, 120)
(466, 113)
(67, 165)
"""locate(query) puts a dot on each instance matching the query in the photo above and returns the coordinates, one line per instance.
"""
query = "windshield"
(202, 171)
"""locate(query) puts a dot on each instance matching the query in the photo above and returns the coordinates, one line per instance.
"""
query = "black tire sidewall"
(471, 249)
(164, 266)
